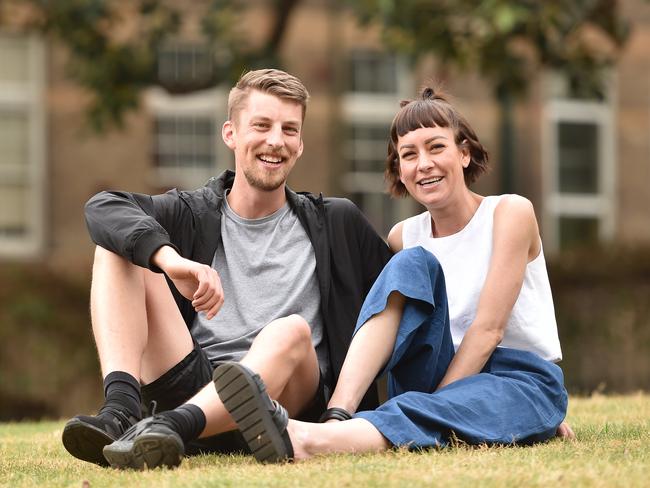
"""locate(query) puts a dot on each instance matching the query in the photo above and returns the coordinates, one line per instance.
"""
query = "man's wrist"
(163, 256)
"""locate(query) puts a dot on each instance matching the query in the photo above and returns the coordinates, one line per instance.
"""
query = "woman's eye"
(437, 147)
(407, 155)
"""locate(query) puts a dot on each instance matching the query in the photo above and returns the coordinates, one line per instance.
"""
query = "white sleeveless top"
(465, 260)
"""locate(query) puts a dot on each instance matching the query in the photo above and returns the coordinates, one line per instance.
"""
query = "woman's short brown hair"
(272, 81)
(432, 109)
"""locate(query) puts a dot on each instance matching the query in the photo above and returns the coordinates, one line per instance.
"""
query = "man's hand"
(565, 431)
(196, 282)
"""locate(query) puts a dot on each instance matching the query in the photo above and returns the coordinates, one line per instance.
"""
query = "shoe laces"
(146, 424)
(122, 419)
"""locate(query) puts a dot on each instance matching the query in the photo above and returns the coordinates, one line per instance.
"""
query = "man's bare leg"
(140, 334)
(137, 327)
(283, 355)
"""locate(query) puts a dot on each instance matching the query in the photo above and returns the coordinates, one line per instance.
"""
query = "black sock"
(122, 391)
(188, 421)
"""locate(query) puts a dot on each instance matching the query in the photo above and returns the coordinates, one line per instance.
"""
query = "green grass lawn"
(613, 449)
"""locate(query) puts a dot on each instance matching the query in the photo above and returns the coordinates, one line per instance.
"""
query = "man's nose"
(274, 137)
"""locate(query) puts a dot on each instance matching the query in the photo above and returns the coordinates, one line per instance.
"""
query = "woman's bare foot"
(354, 436)
(565, 432)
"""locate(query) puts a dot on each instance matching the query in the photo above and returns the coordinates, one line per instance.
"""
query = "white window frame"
(27, 97)
(210, 104)
(557, 204)
(369, 108)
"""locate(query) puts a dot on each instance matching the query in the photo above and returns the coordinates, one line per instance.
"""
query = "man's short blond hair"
(272, 81)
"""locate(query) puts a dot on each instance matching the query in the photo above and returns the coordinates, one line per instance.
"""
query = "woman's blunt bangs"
(418, 114)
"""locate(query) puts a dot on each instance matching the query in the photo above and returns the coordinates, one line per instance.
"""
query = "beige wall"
(81, 163)
(633, 131)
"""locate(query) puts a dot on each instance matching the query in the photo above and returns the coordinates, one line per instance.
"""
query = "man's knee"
(290, 336)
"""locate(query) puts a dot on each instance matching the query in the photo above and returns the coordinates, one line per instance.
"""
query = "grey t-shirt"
(267, 268)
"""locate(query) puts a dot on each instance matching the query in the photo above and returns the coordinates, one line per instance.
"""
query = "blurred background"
(131, 94)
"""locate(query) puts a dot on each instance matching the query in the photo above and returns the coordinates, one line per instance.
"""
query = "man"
(242, 269)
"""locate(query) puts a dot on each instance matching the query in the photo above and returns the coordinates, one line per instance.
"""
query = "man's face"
(266, 139)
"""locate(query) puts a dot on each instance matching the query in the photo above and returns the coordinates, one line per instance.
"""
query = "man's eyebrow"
(258, 118)
(263, 118)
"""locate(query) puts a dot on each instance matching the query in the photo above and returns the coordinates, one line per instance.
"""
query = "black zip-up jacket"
(349, 253)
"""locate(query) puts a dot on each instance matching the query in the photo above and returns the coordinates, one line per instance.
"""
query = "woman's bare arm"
(515, 242)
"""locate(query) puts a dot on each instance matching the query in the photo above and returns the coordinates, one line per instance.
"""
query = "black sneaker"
(261, 420)
(150, 443)
(85, 436)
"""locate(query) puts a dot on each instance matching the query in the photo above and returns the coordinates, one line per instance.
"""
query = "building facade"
(584, 163)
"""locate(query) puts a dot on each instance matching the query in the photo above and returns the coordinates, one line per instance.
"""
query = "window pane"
(185, 65)
(14, 55)
(575, 231)
(13, 210)
(13, 140)
(184, 142)
(366, 147)
(373, 72)
(578, 153)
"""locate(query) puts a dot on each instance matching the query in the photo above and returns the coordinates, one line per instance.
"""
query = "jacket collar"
(220, 184)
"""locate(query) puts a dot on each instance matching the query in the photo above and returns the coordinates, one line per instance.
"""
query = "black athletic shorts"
(184, 380)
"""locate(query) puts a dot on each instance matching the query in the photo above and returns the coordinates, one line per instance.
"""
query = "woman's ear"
(466, 156)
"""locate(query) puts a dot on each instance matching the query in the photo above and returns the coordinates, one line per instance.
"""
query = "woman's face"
(431, 165)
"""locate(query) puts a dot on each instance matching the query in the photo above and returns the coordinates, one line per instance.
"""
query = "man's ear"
(228, 134)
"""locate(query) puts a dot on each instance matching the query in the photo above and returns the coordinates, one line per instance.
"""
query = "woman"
(461, 319)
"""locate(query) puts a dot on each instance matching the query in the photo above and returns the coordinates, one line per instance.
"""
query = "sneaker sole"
(85, 441)
(146, 451)
(245, 398)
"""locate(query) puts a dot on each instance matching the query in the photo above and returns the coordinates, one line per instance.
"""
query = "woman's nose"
(425, 161)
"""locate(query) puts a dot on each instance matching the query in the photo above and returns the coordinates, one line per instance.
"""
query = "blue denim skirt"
(518, 397)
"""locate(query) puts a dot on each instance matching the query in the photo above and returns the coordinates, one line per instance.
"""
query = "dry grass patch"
(612, 450)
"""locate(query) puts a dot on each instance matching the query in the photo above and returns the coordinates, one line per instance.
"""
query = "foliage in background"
(505, 40)
(603, 311)
(115, 45)
(48, 362)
